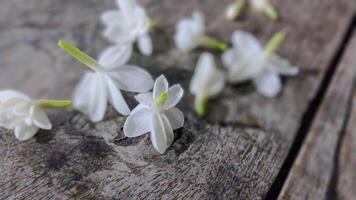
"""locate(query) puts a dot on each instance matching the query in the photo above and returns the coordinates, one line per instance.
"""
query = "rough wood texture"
(346, 173)
(316, 168)
(233, 154)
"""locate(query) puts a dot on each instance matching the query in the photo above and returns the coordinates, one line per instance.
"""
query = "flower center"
(162, 99)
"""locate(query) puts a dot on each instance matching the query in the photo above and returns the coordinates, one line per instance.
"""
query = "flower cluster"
(156, 112)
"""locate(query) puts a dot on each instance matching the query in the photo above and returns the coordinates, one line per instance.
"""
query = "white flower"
(157, 114)
(266, 7)
(19, 112)
(248, 60)
(234, 9)
(207, 82)
(190, 34)
(110, 75)
(128, 25)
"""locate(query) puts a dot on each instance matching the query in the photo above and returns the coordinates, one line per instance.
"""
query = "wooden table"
(300, 145)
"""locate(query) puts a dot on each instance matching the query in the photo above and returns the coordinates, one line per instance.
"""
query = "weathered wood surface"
(345, 171)
(314, 174)
(233, 154)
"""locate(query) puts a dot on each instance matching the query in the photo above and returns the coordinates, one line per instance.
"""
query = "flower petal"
(145, 45)
(120, 34)
(242, 65)
(175, 117)
(115, 56)
(98, 99)
(116, 98)
(145, 99)
(207, 80)
(162, 133)
(175, 93)
(127, 6)
(246, 42)
(282, 66)
(24, 132)
(138, 122)
(269, 84)
(160, 85)
(111, 17)
(39, 118)
(132, 79)
(82, 92)
(6, 94)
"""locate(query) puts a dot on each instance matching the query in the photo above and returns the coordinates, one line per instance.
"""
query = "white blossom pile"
(156, 112)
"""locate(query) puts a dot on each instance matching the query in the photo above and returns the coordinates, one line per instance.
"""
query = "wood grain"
(313, 174)
(235, 153)
(345, 181)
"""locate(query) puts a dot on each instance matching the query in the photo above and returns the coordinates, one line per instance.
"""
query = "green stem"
(274, 43)
(212, 43)
(162, 98)
(79, 55)
(271, 13)
(200, 105)
(54, 104)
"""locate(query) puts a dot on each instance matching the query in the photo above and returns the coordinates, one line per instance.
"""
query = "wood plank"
(235, 153)
(313, 172)
(346, 169)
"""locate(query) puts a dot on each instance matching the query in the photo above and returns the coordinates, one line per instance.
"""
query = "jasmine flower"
(108, 76)
(234, 10)
(266, 7)
(26, 116)
(248, 60)
(207, 82)
(157, 114)
(190, 34)
(128, 25)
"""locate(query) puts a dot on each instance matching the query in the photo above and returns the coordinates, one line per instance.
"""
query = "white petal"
(203, 72)
(145, 99)
(269, 84)
(162, 133)
(22, 108)
(81, 96)
(175, 94)
(242, 65)
(39, 118)
(127, 6)
(175, 117)
(138, 122)
(6, 94)
(115, 56)
(24, 132)
(116, 98)
(120, 34)
(145, 45)
(98, 99)
(246, 42)
(112, 17)
(187, 36)
(282, 66)
(207, 80)
(216, 83)
(132, 79)
(160, 85)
